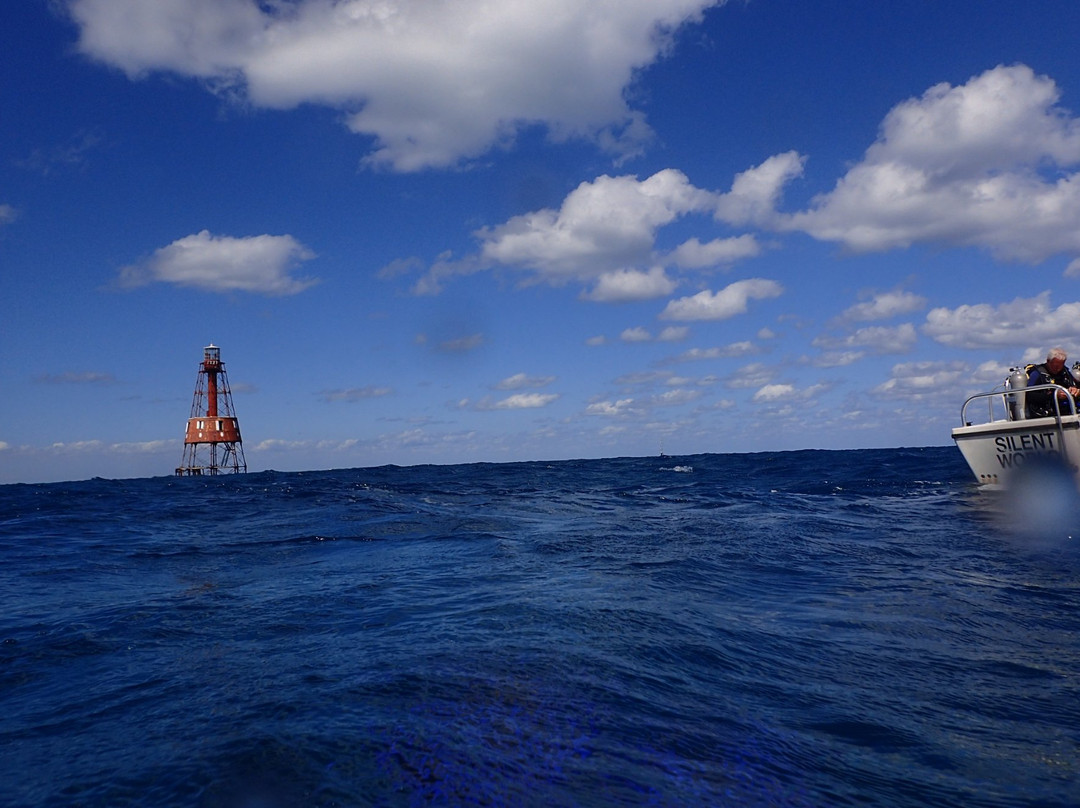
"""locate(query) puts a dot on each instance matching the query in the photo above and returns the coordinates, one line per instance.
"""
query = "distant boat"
(998, 447)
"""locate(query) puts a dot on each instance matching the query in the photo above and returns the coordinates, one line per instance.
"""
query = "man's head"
(1055, 360)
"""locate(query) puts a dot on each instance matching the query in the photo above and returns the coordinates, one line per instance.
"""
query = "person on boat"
(1040, 402)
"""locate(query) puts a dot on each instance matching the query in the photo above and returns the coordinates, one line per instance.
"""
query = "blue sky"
(455, 231)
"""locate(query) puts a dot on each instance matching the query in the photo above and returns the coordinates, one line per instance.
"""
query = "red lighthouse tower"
(212, 442)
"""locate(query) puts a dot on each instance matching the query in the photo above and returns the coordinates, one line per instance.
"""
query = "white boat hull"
(996, 451)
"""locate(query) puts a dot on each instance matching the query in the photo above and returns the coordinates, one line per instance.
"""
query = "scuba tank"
(1017, 380)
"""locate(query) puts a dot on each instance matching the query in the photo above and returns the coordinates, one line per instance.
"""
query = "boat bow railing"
(1006, 398)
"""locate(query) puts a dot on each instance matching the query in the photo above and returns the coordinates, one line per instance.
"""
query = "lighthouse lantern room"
(212, 443)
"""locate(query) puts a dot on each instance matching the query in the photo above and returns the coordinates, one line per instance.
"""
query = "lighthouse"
(212, 443)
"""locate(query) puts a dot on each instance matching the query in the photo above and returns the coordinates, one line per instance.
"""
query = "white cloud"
(614, 409)
(880, 339)
(983, 164)
(258, 264)
(774, 392)
(837, 359)
(626, 285)
(644, 378)
(788, 393)
(603, 234)
(675, 397)
(602, 226)
(280, 445)
(445, 266)
(673, 333)
(399, 267)
(755, 193)
(756, 374)
(77, 446)
(521, 380)
(915, 381)
(692, 254)
(277, 444)
(884, 305)
(7, 214)
(720, 352)
(729, 301)
(433, 83)
(1020, 323)
(523, 401)
(143, 447)
(636, 334)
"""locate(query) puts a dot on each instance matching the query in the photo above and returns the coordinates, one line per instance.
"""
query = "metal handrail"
(1004, 394)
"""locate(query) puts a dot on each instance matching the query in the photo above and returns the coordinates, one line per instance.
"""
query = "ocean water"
(818, 628)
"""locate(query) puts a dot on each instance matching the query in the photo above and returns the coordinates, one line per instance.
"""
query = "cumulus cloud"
(788, 393)
(399, 267)
(432, 83)
(990, 164)
(692, 254)
(636, 334)
(521, 380)
(884, 305)
(756, 374)
(602, 227)
(774, 392)
(673, 333)
(1021, 322)
(620, 408)
(626, 285)
(755, 192)
(921, 380)
(77, 446)
(279, 445)
(837, 359)
(673, 398)
(446, 266)
(603, 235)
(525, 401)
(729, 301)
(879, 339)
(649, 377)
(257, 264)
(143, 447)
(719, 352)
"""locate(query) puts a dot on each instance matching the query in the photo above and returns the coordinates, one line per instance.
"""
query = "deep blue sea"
(814, 628)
